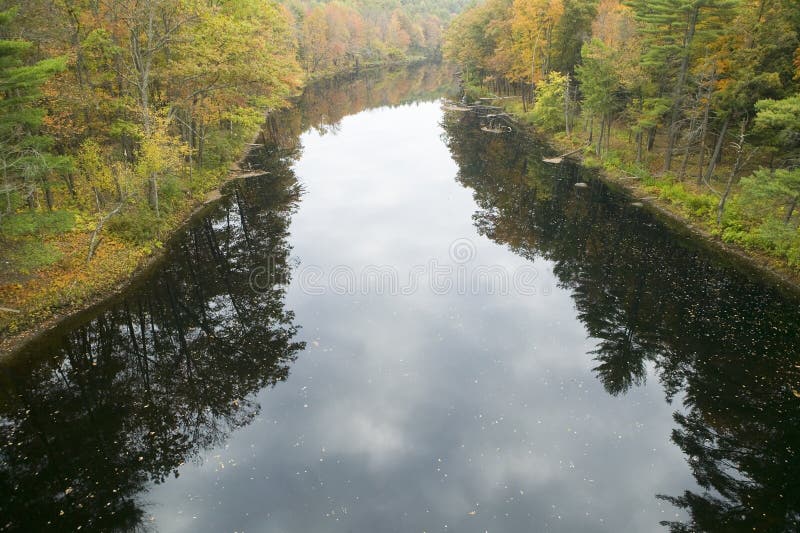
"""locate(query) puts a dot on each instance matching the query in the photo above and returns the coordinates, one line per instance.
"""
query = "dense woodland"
(698, 99)
(118, 117)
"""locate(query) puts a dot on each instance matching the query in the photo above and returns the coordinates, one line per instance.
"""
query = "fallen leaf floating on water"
(796, 394)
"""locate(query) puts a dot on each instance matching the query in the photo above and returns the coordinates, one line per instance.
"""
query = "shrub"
(137, 226)
(695, 204)
(783, 239)
(170, 193)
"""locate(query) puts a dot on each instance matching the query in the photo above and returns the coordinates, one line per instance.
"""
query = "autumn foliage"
(120, 116)
(699, 99)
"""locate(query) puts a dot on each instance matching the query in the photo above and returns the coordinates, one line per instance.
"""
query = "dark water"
(410, 324)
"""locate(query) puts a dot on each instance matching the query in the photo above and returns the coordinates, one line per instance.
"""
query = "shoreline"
(65, 312)
(763, 264)
(782, 276)
(771, 269)
(14, 344)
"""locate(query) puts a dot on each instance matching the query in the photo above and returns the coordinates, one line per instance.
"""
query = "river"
(411, 324)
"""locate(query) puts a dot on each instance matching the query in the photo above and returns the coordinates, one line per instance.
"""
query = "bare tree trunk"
(638, 147)
(687, 149)
(48, 196)
(152, 193)
(651, 138)
(201, 138)
(598, 149)
(792, 207)
(566, 107)
(70, 183)
(679, 86)
(142, 54)
(96, 235)
(712, 165)
(736, 168)
(704, 128)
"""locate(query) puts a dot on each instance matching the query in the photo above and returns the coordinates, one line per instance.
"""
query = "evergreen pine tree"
(673, 29)
(25, 159)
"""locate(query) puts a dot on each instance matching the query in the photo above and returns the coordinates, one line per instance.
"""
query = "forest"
(118, 118)
(696, 102)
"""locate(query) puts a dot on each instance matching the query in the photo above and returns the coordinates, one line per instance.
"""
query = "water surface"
(410, 324)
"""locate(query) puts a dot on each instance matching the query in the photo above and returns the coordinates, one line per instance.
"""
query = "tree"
(779, 189)
(777, 122)
(225, 59)
(158, 155)
(151, 27)
(673, 30)
(479, 40)
(25, 155)
(750, 61)
(315, 39)
(399, 32)
(549, 109)
(600, 82)
(532, 27)
(573, 30)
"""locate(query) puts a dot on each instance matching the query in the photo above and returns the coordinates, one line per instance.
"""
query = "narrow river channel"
(409, 324)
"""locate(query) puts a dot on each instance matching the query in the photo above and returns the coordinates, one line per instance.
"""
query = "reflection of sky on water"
(427, 412)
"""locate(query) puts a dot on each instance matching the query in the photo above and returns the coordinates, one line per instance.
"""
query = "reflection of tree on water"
(90, 418)
(726, 344)
(325, 103)
(94, 413)
(621, 352)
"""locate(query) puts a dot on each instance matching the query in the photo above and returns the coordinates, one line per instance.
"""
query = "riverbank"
(35, 300)
(677, 202)
(58, 292)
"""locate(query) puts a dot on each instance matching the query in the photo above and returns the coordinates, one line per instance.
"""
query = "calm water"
(410, 324)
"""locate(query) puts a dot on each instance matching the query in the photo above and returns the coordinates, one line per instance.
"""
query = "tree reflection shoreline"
(121, 397)
(93, 414)
(647, 296)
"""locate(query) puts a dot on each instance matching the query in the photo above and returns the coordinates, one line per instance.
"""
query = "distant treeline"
(350, 33)
(701, 98)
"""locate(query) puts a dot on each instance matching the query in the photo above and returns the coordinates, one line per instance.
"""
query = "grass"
(30, 255)
(32, 223)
